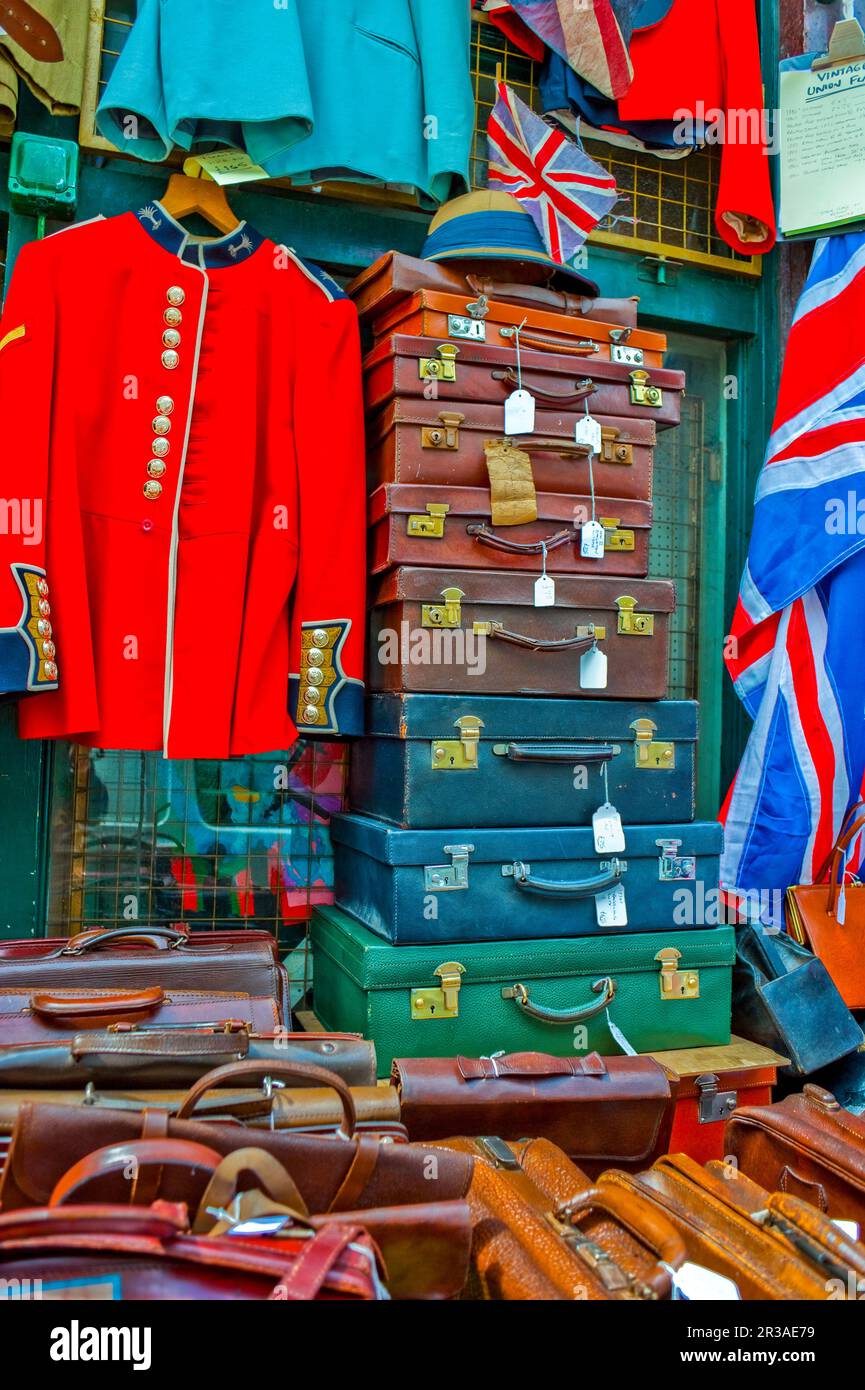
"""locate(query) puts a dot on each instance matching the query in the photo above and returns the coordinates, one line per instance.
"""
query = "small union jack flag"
(564, 190)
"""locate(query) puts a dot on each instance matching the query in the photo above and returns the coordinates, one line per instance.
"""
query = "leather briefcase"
(331, 1173)
(420, 441)
(430, 314)
(394, 277)
(829, 916)
(744, 1234)
(523, 884)
(479, 632)
(543, 1232)
(135, 958)
(785, 998)
(452, 528)
(598, 1112)
(526, 753)
(470, 377)
(141, 1058)
(558, 996)
(37, 1016)
(806, 1145)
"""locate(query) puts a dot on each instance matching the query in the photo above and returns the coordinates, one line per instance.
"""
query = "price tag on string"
(607, 825)
(592, 537)
(593, 669)
(592, 541)
(610, 908)
(545, 587)
(588, 431)
(520, 404)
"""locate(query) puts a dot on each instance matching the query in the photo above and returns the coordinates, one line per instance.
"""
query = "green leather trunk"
(395, 997)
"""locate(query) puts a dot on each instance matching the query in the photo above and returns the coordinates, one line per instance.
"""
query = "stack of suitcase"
(521, 868)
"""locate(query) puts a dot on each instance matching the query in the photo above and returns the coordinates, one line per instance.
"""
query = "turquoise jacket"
(369, 90)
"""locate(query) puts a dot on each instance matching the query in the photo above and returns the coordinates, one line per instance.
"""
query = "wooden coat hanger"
(185, 196)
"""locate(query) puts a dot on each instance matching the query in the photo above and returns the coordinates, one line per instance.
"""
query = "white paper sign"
(520, 413)
(610, 909)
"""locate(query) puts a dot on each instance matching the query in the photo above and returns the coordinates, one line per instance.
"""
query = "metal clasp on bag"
(445, 435)
(432, 1003)
(650, 755)
(673, 866)
(458, 755)
(461, 327)
(448, 614)
(676, 983)
(617, 537)
(621, 352)
(713, 1104)
(430, 524)
(643, 392)
(449, 878)
(441, 368)
(631, 623)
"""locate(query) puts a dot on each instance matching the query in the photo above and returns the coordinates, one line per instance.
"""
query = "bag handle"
(568, 888)
(844, 842)
(580, 1014)
(582, 389)
(159, 938)
(138, 1156)
(270, 1177)
(260, 1071)
(542, 296)
(538, 644)
(60, 1006)
(546, 343)
(559, 752)
(484, 536)
(826, 867)
(639, 1217)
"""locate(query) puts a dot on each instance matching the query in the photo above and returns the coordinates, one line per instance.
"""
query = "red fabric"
(708, 51)
(518, 32)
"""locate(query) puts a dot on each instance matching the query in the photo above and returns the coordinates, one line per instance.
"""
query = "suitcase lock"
(461, 327)
(435, 1003)
(676, 983)
(443, 436)
(616, 537)
(447, 614)
(458, 755)
(429, 524)
(650, 755)
(441, 368)
(620, 350)
(713, 1104)
(446, 878)
(643, 392)
(631, 623)
(674, 867)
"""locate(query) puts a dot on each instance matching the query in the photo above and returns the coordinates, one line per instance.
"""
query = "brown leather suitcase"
(136, 958)
(598, 1111)
(807, 1145)
(417, 441)
(533, 650)
(454, 374)
(770, 1245)
(395, 276)
(30, 1016)
(459, 318)
(452, 528)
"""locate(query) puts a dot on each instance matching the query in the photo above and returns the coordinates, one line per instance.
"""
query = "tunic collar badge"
(233, 249)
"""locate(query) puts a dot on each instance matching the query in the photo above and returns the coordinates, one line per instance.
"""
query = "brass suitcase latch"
(458, 755)
(443, 436)
(431, 523)
(439, 1002)
(643, 392)
(446, 614)
(440, 368)
(631, 623)
(676, 983)
(616, 538)
(449, 878)
(651, 755)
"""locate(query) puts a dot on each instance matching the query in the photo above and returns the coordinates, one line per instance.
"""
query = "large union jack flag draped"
(565, 191)
(797, 648)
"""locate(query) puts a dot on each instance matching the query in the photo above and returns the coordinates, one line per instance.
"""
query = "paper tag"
(850, 1228)
(694, 1284)
(231, 166)
(607, 825)
(520, 413)
(619, 1038)
(610, 908)
(593, 669)
(587, 430)
(545, 591)
(592, 538)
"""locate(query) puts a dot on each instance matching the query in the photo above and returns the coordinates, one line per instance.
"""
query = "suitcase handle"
(566, 888)
(96, 1005)
(482, 533)
(557, 752)
(160, 938)
(141, 1154)
(537, 644)
(547, 343)
(265, 1071)
(582, 389)
(535, 296)
(647, 1225)
(581, 1014)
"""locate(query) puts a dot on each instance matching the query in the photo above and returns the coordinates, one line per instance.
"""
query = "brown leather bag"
(829, 916)
(542, 1231)
(806, 1145)
(770, 1246)
(332, 1173)
(146, 1058)
(598, 1111)
(395, 276)
(135, 958)
(526, 648)
(29, 1016)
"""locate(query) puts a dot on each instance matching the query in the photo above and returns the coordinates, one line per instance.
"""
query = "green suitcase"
(659, 990)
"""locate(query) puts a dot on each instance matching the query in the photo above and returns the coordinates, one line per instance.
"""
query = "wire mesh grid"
(675, 543)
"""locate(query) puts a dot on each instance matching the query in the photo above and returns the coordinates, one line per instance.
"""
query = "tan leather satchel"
(830, 917)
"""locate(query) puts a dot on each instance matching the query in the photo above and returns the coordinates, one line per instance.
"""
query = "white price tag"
(850, 1228)
(694, 1284)
(592, 539)
(588, 431)
(610, 908)
(593, 669)
(607, 825)
(520, 413)
(545, 592)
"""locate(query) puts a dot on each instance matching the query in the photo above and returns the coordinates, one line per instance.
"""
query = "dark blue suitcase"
(432, 761)
(418, 886)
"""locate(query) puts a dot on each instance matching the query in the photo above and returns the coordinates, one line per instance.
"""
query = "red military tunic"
(182, 528)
